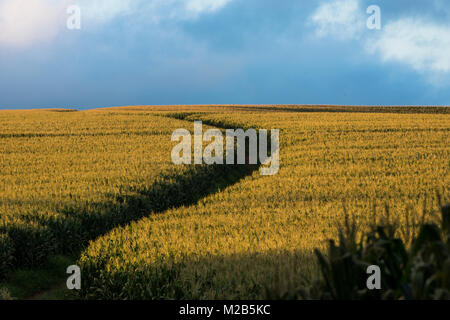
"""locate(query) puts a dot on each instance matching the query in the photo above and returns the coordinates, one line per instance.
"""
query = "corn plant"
(421, 271)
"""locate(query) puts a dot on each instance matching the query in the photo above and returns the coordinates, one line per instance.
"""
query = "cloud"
(155, 11)
(339, 18)
(27, 22)
(24, 22)
(160, 10)
(102, 11)
(424, 46)
(200, 6)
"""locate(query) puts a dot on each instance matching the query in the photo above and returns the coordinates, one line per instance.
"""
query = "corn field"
(100, 184)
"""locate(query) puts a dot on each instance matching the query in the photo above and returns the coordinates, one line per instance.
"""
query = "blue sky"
(147, 52)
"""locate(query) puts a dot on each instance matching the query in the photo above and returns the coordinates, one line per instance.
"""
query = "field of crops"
(68, 177)
(220, 231)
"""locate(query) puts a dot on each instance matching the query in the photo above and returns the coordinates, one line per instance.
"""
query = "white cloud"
(24, 22)
(27, 22)
(343, 19)
(160, 10)
(101, 11)
(423, 45)
(200, 6)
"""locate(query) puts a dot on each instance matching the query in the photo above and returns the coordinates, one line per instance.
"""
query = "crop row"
(69, 177)
(256, 237)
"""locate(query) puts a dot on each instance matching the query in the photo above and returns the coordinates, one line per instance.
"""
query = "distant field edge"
(39, 109)
(290, 108)
(428, 109)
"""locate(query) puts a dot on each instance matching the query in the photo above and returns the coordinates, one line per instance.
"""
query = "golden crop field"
(68, 177)
(255, 238)
(102, 181)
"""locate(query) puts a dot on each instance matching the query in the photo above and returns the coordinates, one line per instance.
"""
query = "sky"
(98, 53)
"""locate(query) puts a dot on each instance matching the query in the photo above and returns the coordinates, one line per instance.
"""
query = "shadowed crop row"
(255, 238)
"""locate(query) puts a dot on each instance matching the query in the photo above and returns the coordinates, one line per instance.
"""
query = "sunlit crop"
(256, 237)
(68, 177)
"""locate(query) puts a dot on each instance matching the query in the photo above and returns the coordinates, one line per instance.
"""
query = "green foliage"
(25, 283)
(421, 271)
(6, 255)
(4, 294)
